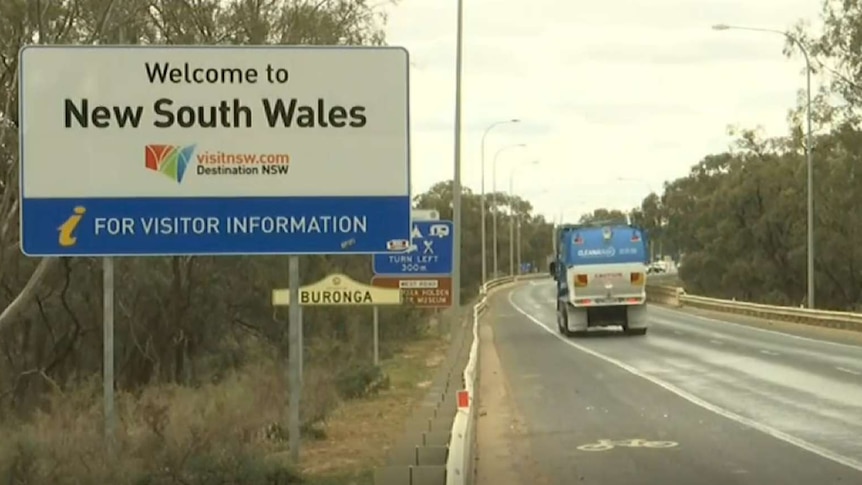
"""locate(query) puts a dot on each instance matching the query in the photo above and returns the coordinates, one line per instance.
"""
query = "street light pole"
(520, 222)
(482, 199)
(456, 180)
(809, 156)
(494, 201)
(512, 215)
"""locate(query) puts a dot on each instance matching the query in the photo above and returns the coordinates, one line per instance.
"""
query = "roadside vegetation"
(738, 220)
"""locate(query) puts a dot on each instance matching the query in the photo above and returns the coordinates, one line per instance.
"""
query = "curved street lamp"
(494, 200)
(482, 197)
(512, 216)
(808, 145)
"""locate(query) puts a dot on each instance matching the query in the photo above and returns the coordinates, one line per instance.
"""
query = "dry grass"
(171, 435)
(360, 433)
(165, 435)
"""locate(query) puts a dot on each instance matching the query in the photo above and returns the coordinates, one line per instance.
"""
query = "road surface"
(696, 401)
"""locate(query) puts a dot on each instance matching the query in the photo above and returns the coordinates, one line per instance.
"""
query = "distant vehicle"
(600, 269)
(656, 268)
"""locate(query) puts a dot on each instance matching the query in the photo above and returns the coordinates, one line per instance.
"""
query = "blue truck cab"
(600, 271)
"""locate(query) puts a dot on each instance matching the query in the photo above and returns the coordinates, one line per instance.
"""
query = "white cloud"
(624, 89)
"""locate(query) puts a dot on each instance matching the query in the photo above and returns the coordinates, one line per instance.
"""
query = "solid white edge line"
(775, 433)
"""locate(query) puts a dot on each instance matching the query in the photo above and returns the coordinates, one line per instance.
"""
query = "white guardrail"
(459, 464)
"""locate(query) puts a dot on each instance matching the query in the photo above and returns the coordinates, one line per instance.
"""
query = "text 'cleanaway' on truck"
(601, 277)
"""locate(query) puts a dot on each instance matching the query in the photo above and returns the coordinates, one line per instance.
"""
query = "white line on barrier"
(769, 430)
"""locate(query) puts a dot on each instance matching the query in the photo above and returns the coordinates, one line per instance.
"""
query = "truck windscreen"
(604, 245)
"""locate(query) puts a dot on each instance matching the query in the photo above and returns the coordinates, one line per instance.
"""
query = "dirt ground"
(360, 433)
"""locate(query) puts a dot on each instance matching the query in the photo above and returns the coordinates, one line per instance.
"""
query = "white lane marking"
(764, 330)
(716, 342)
(843, 369)
(769, 430)
(769, 352)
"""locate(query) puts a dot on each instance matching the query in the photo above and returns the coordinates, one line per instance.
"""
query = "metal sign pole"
(301, 347)
(108, 351)
(376, 335)
(294, 359)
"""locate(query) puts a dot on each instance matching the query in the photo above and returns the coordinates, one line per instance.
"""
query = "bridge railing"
(658, 291)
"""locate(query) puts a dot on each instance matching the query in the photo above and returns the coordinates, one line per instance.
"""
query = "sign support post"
(294, 377)
(376, 335)
(108, 352)
(301, 347)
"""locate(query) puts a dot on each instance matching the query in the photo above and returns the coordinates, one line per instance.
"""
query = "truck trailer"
(600, 271)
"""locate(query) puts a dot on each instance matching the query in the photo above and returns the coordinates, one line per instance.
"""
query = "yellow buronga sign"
(339, 289)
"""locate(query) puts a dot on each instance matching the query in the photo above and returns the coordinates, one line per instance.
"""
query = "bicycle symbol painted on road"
(604, 445)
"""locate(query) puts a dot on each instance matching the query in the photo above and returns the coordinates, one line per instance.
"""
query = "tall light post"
(512, 214)
(456, 179)
(494, 200)
(518, 229)
(482, 197)
(808, 145)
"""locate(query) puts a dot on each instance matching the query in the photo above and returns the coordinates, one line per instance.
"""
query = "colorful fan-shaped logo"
(171, 161)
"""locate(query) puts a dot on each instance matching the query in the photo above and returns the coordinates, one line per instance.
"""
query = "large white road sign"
(159, 150)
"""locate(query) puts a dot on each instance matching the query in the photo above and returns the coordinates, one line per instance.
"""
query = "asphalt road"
(696, 401)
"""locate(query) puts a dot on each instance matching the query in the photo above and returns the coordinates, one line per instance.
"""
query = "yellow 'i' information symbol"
(67, 229)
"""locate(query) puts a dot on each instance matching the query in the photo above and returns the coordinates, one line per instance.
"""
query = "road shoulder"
(502, 446)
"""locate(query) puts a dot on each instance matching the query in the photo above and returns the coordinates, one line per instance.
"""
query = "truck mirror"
(552, 268)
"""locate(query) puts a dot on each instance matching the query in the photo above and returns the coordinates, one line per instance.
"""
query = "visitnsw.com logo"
(175, 161)
(172, 161)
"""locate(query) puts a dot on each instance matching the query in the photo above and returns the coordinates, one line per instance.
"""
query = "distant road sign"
(173, 150)
(429, 252)
(419, 291)
(337, 290)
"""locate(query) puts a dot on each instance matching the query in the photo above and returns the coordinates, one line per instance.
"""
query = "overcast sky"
(638, 89)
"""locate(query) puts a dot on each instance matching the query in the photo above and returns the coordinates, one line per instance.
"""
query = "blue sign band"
(212, 225)
(430, 252)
